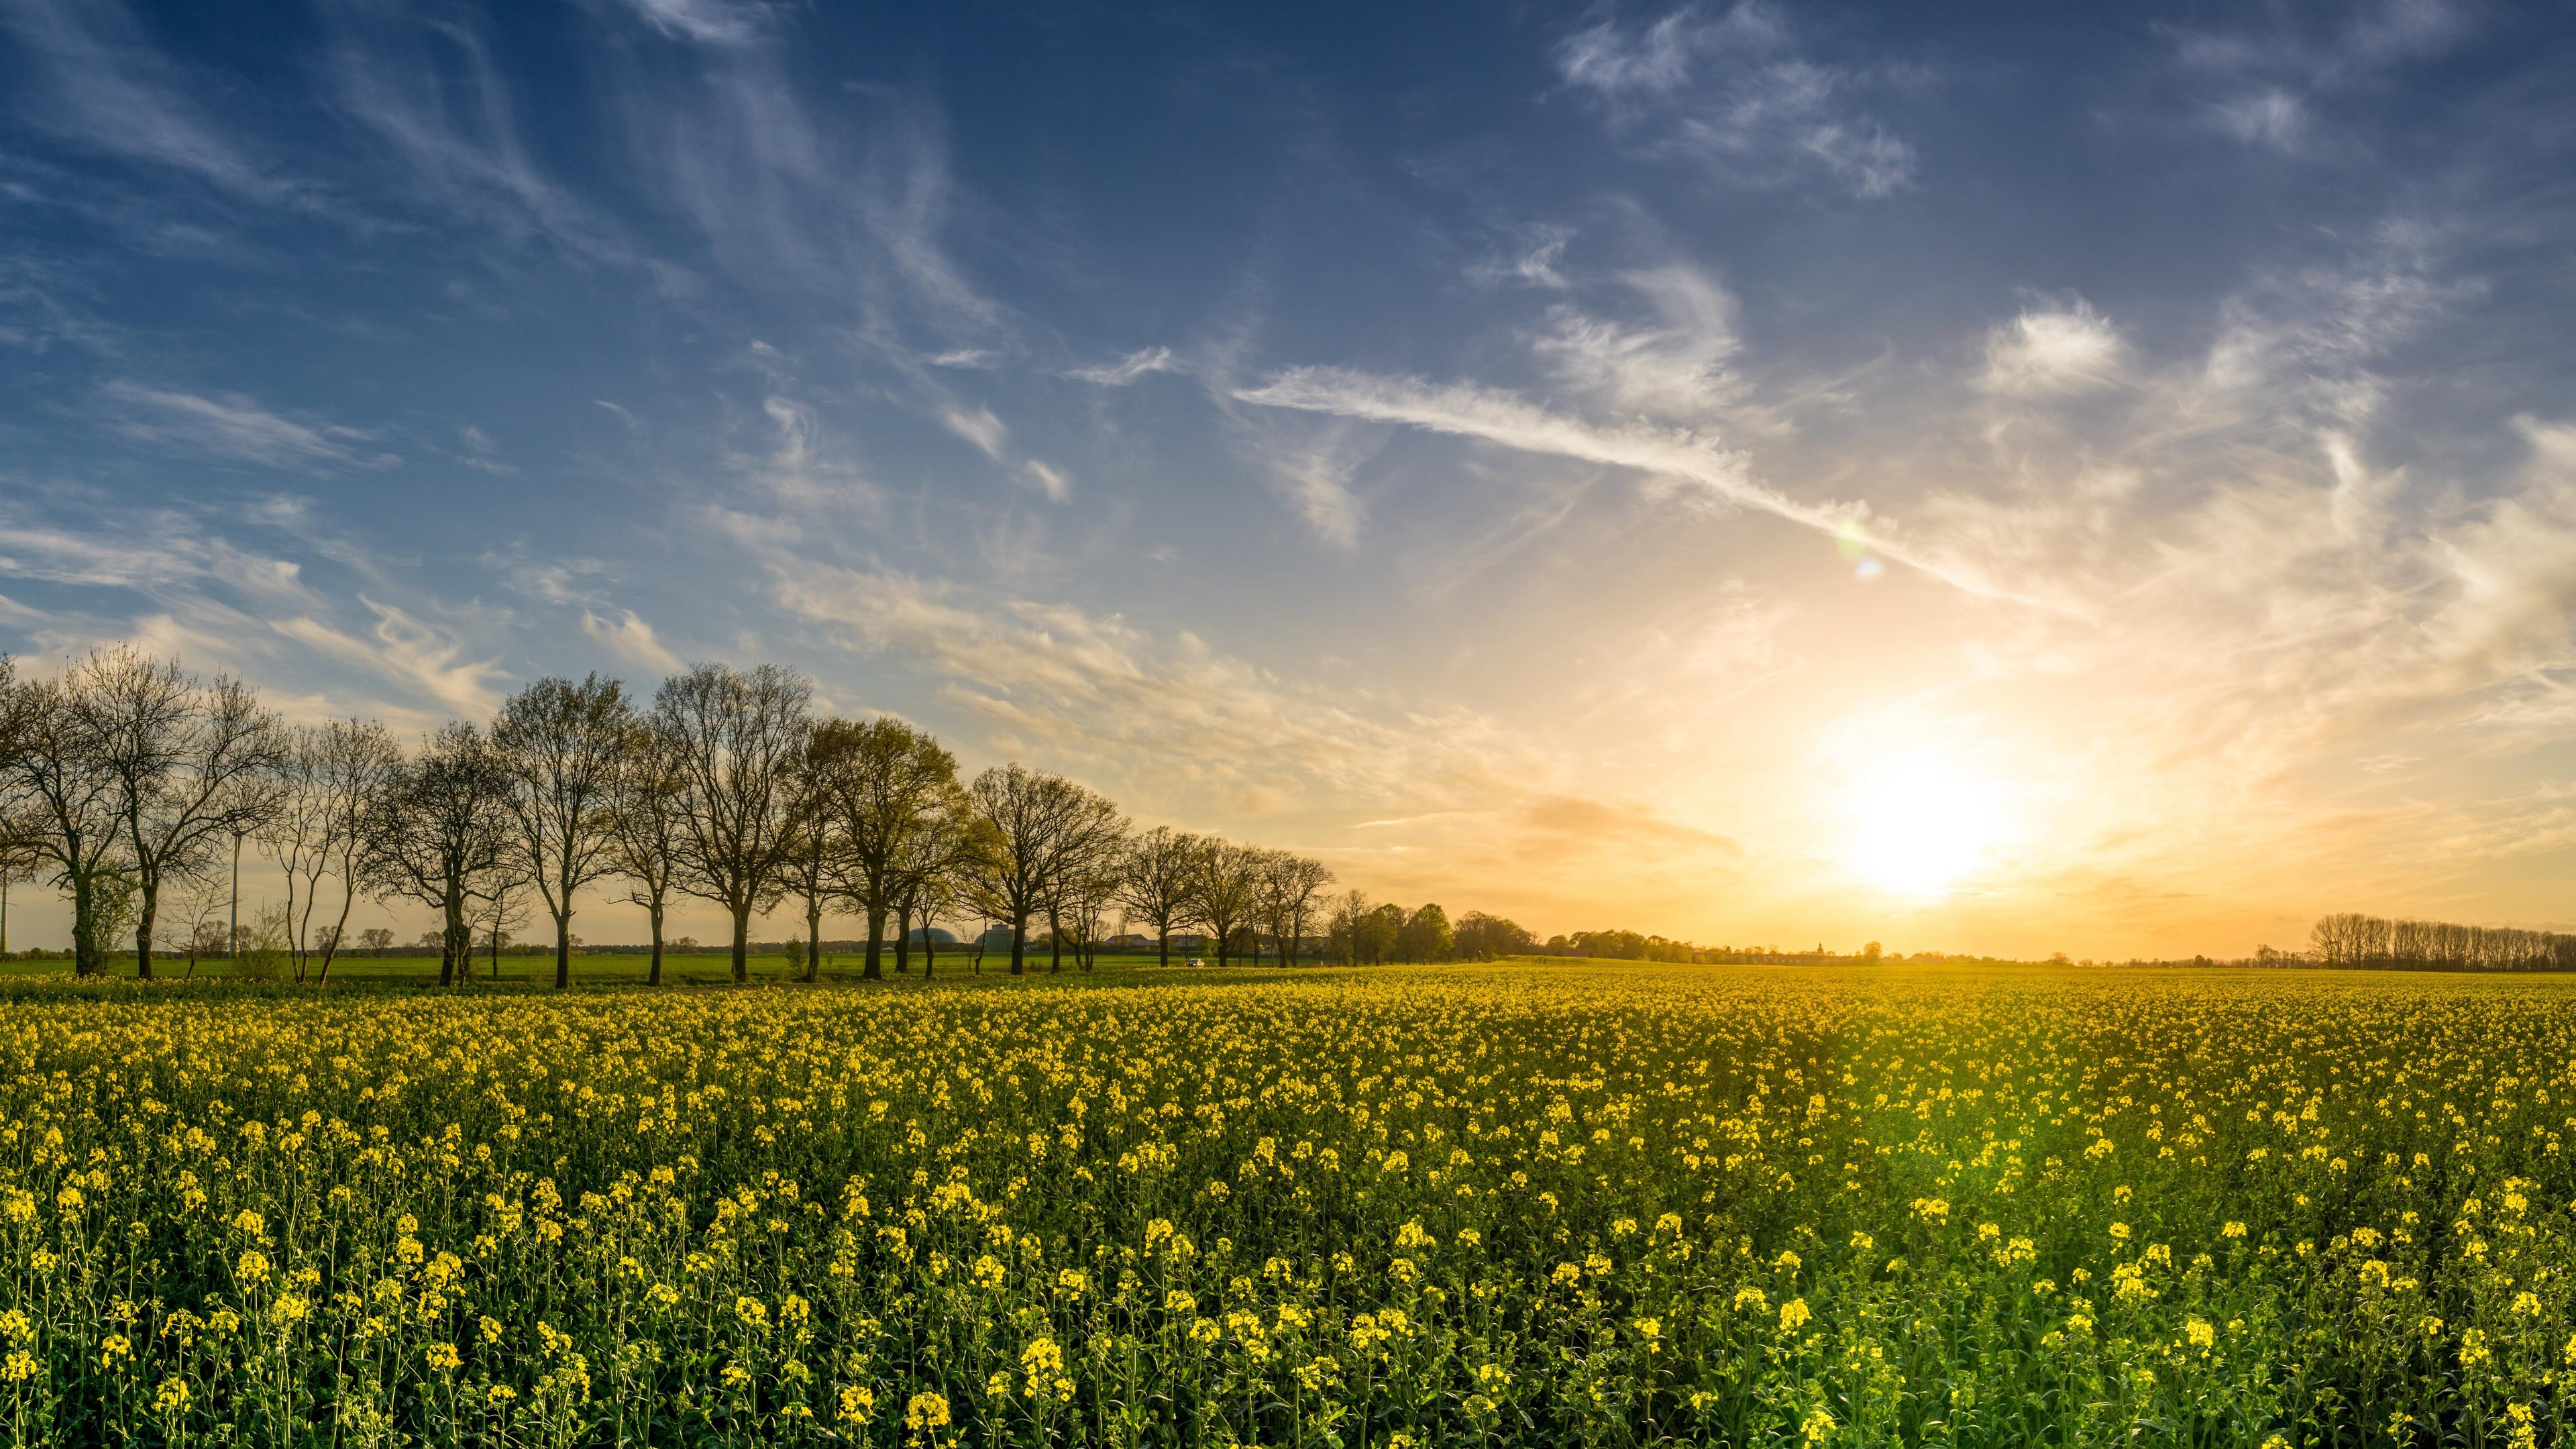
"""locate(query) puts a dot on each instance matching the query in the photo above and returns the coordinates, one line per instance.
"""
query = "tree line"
(131, 786)
(2352, 941)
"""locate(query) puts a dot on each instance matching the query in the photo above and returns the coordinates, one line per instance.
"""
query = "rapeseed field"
(1555, 1204)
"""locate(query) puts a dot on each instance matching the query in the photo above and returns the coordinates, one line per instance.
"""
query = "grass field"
(1539, 1202)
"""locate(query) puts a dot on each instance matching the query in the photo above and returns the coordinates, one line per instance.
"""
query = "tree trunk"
(1163, 938)
(876, 945)
(903, 937)
(1020, 946)
(654, 977)
(331, 952)
(813, 939)
(1055, 944)
(929, 951)
(143, 928)
(563, 946)
(741, 944)
(85, 960)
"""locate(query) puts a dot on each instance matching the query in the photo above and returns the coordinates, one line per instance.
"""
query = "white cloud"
(2269, 117)
(1050, 480)
(1734, 92)
(979, 427)
(631, 639)
(1134, 365)
(2053, 351)
(236, 427)
(1717, 474)
(1317, 480)
(105, 85)
(708, 22)
(418, 656)
(800, 466)
(1674, 369)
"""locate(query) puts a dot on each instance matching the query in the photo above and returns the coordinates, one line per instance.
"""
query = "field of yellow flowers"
(1528, 1204)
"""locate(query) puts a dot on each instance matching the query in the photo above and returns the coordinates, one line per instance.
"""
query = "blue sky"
(2018, 478)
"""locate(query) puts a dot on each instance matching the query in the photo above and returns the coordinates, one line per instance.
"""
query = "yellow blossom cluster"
(1572, 1203)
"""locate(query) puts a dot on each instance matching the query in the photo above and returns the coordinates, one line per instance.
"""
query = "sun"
(1920, 829)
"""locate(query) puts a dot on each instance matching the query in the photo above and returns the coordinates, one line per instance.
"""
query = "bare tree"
(888, 788)
(194, 918)
(1225, 885)
(938, 868)
(1082, 864)
(562, 744)
(62, 804)
(1290, 885)
(1022, 811)
(736, 738)
(813, 846)
(1154, 885)
(438, 833)
(647, 839)
(352, 762)
(191, 763)
(503, 914)
(323, 782)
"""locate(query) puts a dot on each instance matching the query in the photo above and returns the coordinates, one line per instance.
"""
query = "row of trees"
(122, 779)
(2352, 941)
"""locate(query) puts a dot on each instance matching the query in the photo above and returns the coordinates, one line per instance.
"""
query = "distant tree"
(738, 739)
(1870, 953)
(1291, 886)
(438, 833)
(1381, 932)
(809, 858)
(376, 940)
(1481, 937)
(1426, 934)
(1026, 817)
(1346, 923)
(1082, 863)
(328, 773)
(1225, 889)
(65, 797)
(645, 836)
(890, 794)
(563, 746)
(191, 764)
(1156, 871)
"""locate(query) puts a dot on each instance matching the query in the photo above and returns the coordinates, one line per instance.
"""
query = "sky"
(1980, 478)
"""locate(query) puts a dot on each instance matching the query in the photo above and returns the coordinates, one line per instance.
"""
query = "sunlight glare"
(1920, 829)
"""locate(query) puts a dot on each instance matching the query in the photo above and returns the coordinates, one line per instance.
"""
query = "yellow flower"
(925, 1411)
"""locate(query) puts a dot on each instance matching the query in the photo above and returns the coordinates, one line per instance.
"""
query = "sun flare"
(1920, 829)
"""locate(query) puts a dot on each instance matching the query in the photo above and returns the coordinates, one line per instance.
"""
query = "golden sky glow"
(2105, 483)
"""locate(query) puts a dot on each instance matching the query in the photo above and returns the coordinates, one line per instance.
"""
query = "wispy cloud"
(2272, 67)
(631, 639)
(2053, 350)
(430, 92)
(1713, 472)
(1140, 363)
(104, 84)
(422, 658)
(236, 427)
(1734, 91)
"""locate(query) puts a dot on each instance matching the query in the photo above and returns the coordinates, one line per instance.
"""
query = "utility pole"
(232, 938)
